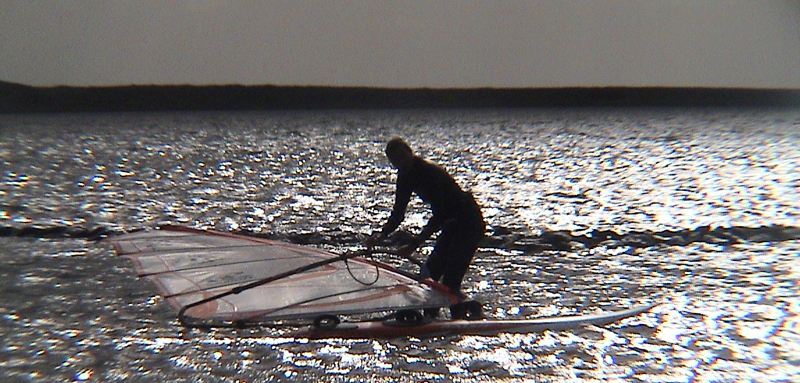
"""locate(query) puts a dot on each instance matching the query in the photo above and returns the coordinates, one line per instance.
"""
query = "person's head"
(399, 153)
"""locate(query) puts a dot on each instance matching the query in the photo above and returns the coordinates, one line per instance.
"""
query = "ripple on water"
(71, 311)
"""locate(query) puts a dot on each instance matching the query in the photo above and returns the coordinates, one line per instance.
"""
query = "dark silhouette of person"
(455, 214)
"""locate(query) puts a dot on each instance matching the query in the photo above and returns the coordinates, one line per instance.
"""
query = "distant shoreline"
(18, 98)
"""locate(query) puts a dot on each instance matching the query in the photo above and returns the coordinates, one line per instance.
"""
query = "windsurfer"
(455, 214)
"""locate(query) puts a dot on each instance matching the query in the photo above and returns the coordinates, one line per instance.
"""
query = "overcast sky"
(394, 43)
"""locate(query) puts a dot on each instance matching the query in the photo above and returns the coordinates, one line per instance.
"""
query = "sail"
(252, 279)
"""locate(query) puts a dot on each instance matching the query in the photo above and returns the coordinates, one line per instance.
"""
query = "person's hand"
(406, 251)
(373, 240)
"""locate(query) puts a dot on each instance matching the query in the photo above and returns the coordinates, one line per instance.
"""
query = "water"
(71, 310)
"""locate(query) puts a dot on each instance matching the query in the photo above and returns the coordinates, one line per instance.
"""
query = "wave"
(95, 233)
(498, 238)
(559, 240)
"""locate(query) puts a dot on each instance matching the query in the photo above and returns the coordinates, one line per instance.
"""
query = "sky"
(403, 44)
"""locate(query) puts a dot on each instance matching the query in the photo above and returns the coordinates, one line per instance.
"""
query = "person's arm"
(401, 199)
(402, 196)
(433, 225)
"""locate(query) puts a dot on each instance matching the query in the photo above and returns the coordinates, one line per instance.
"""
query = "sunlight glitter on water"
(71, 310)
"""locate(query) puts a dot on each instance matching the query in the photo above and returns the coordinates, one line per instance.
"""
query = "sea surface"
(588, 210)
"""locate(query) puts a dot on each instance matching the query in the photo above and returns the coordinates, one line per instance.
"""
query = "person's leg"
(435, 265)
(460, 250)
(439, 260)
(459, 259)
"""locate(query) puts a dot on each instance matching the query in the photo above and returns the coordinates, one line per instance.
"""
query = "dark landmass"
(18, 98)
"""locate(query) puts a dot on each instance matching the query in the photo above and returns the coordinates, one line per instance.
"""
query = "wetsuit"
(455, 213)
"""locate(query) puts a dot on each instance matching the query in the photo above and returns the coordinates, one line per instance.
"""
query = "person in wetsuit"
(455, 213)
